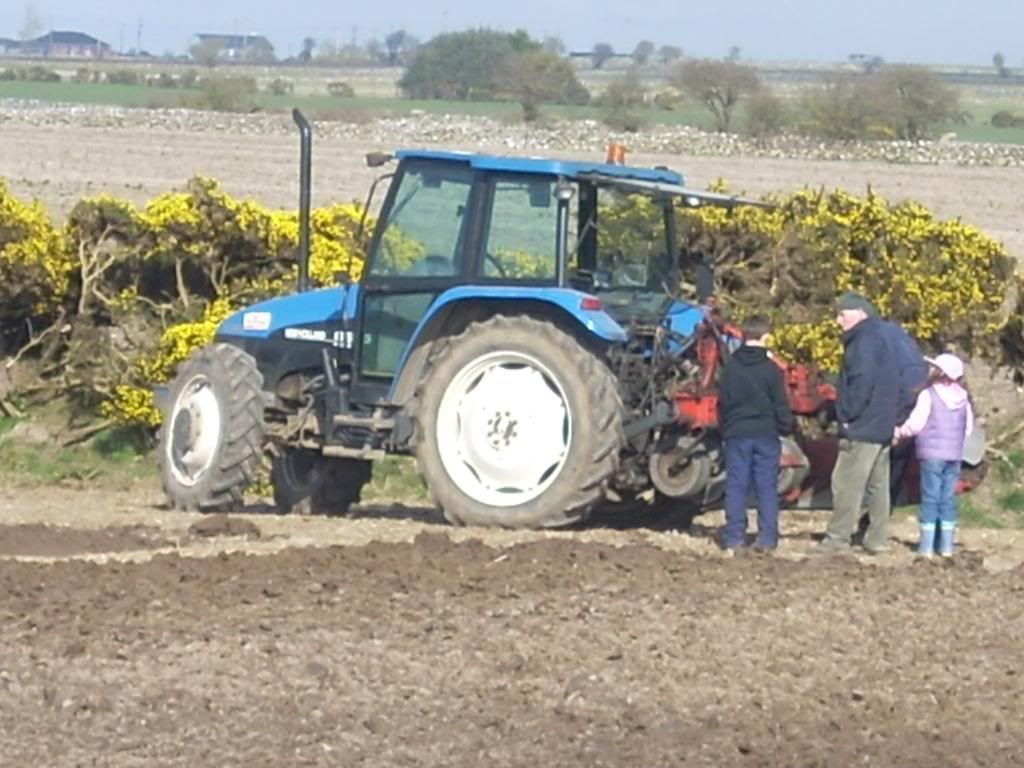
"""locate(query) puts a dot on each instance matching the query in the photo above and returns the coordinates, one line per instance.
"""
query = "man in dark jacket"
(867, 408)
(753, 412)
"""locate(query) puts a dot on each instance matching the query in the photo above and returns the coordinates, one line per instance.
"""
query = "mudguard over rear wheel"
(212, 437)
(518, 425)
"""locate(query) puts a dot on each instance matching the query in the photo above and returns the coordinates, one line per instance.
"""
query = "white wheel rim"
(193, 431)
(504, 429)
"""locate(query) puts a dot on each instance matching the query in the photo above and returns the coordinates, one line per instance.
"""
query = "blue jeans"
(752, 461)
(938, 491)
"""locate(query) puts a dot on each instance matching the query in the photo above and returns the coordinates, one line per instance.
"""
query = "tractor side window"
(520, 241)
(423, 236)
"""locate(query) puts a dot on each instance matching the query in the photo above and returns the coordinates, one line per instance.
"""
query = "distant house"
(59, 44)
(232, 47)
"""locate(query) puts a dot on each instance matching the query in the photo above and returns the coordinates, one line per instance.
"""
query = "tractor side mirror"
(377, 159)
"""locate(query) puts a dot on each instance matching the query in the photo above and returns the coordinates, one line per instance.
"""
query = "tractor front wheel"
(212, 437)
(518, 425)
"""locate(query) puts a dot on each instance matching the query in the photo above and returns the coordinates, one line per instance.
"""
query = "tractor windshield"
(423, 235)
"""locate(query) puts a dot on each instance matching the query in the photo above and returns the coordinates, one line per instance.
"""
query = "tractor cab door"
(421, 247)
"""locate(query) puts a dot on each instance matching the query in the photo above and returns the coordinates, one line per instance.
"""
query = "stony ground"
(135, 636)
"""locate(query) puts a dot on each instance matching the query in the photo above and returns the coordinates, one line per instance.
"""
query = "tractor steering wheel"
(491, 259)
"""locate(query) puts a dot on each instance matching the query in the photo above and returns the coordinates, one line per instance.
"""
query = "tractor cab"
(516, 229)
(509, 226)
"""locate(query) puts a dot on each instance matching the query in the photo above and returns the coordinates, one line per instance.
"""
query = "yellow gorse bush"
(172, 271)
(134, 404)
(166, 274)
(36, 263)
(944, 281)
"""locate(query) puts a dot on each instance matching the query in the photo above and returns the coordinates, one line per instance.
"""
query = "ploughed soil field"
(136, 636)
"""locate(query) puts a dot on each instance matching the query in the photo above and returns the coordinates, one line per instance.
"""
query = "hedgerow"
(36, 263)
(110, 303)
(135, 290)
(945, 281)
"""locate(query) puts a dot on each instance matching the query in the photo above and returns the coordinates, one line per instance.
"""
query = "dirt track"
(400, 641)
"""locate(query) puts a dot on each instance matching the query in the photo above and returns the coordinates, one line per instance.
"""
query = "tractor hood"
(274, 316)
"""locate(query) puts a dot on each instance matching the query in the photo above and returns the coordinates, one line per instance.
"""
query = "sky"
(921, 31)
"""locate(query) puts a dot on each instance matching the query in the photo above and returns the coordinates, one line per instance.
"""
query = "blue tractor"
(533, 371)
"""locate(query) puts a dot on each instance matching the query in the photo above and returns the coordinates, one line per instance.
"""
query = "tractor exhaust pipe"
(305, 193)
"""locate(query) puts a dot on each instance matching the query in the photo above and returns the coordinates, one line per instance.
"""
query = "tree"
(624, 93)
(766, 114)
(462, 65)
(601, 53)
(623, 101)
(553, 44)
(206, 52)
(842, 110)
(734, 53)
(375, 51)
(669, 54)
(999, 62)
(308, 46)
(643, 52)
(898, 102)
(395, 44)
(537, 77)
(31, 24)
(718, 85)
(913, 102)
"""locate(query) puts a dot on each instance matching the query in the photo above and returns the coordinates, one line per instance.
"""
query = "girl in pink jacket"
(941, 421)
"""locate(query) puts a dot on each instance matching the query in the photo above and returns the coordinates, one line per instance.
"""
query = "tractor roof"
(567, 168)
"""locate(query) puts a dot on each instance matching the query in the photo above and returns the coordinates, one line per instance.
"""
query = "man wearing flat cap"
(867, 409)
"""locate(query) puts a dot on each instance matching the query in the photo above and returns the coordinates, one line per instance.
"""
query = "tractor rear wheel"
(518, 425)
(308, 483)
(212, 437)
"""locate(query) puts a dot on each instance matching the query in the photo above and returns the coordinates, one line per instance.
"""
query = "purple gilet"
(944, 434)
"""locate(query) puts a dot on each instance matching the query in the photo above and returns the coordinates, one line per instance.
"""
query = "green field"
(311, 97)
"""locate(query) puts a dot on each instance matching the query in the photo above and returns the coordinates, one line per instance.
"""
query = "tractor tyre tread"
(600, 393)
(238, 384)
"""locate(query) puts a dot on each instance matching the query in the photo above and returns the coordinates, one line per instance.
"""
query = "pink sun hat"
(951, 365)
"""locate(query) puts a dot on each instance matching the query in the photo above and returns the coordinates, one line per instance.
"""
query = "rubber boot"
(946, 535)
(926, 546)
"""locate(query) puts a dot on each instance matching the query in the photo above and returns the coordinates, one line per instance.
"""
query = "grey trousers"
(861, 473)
